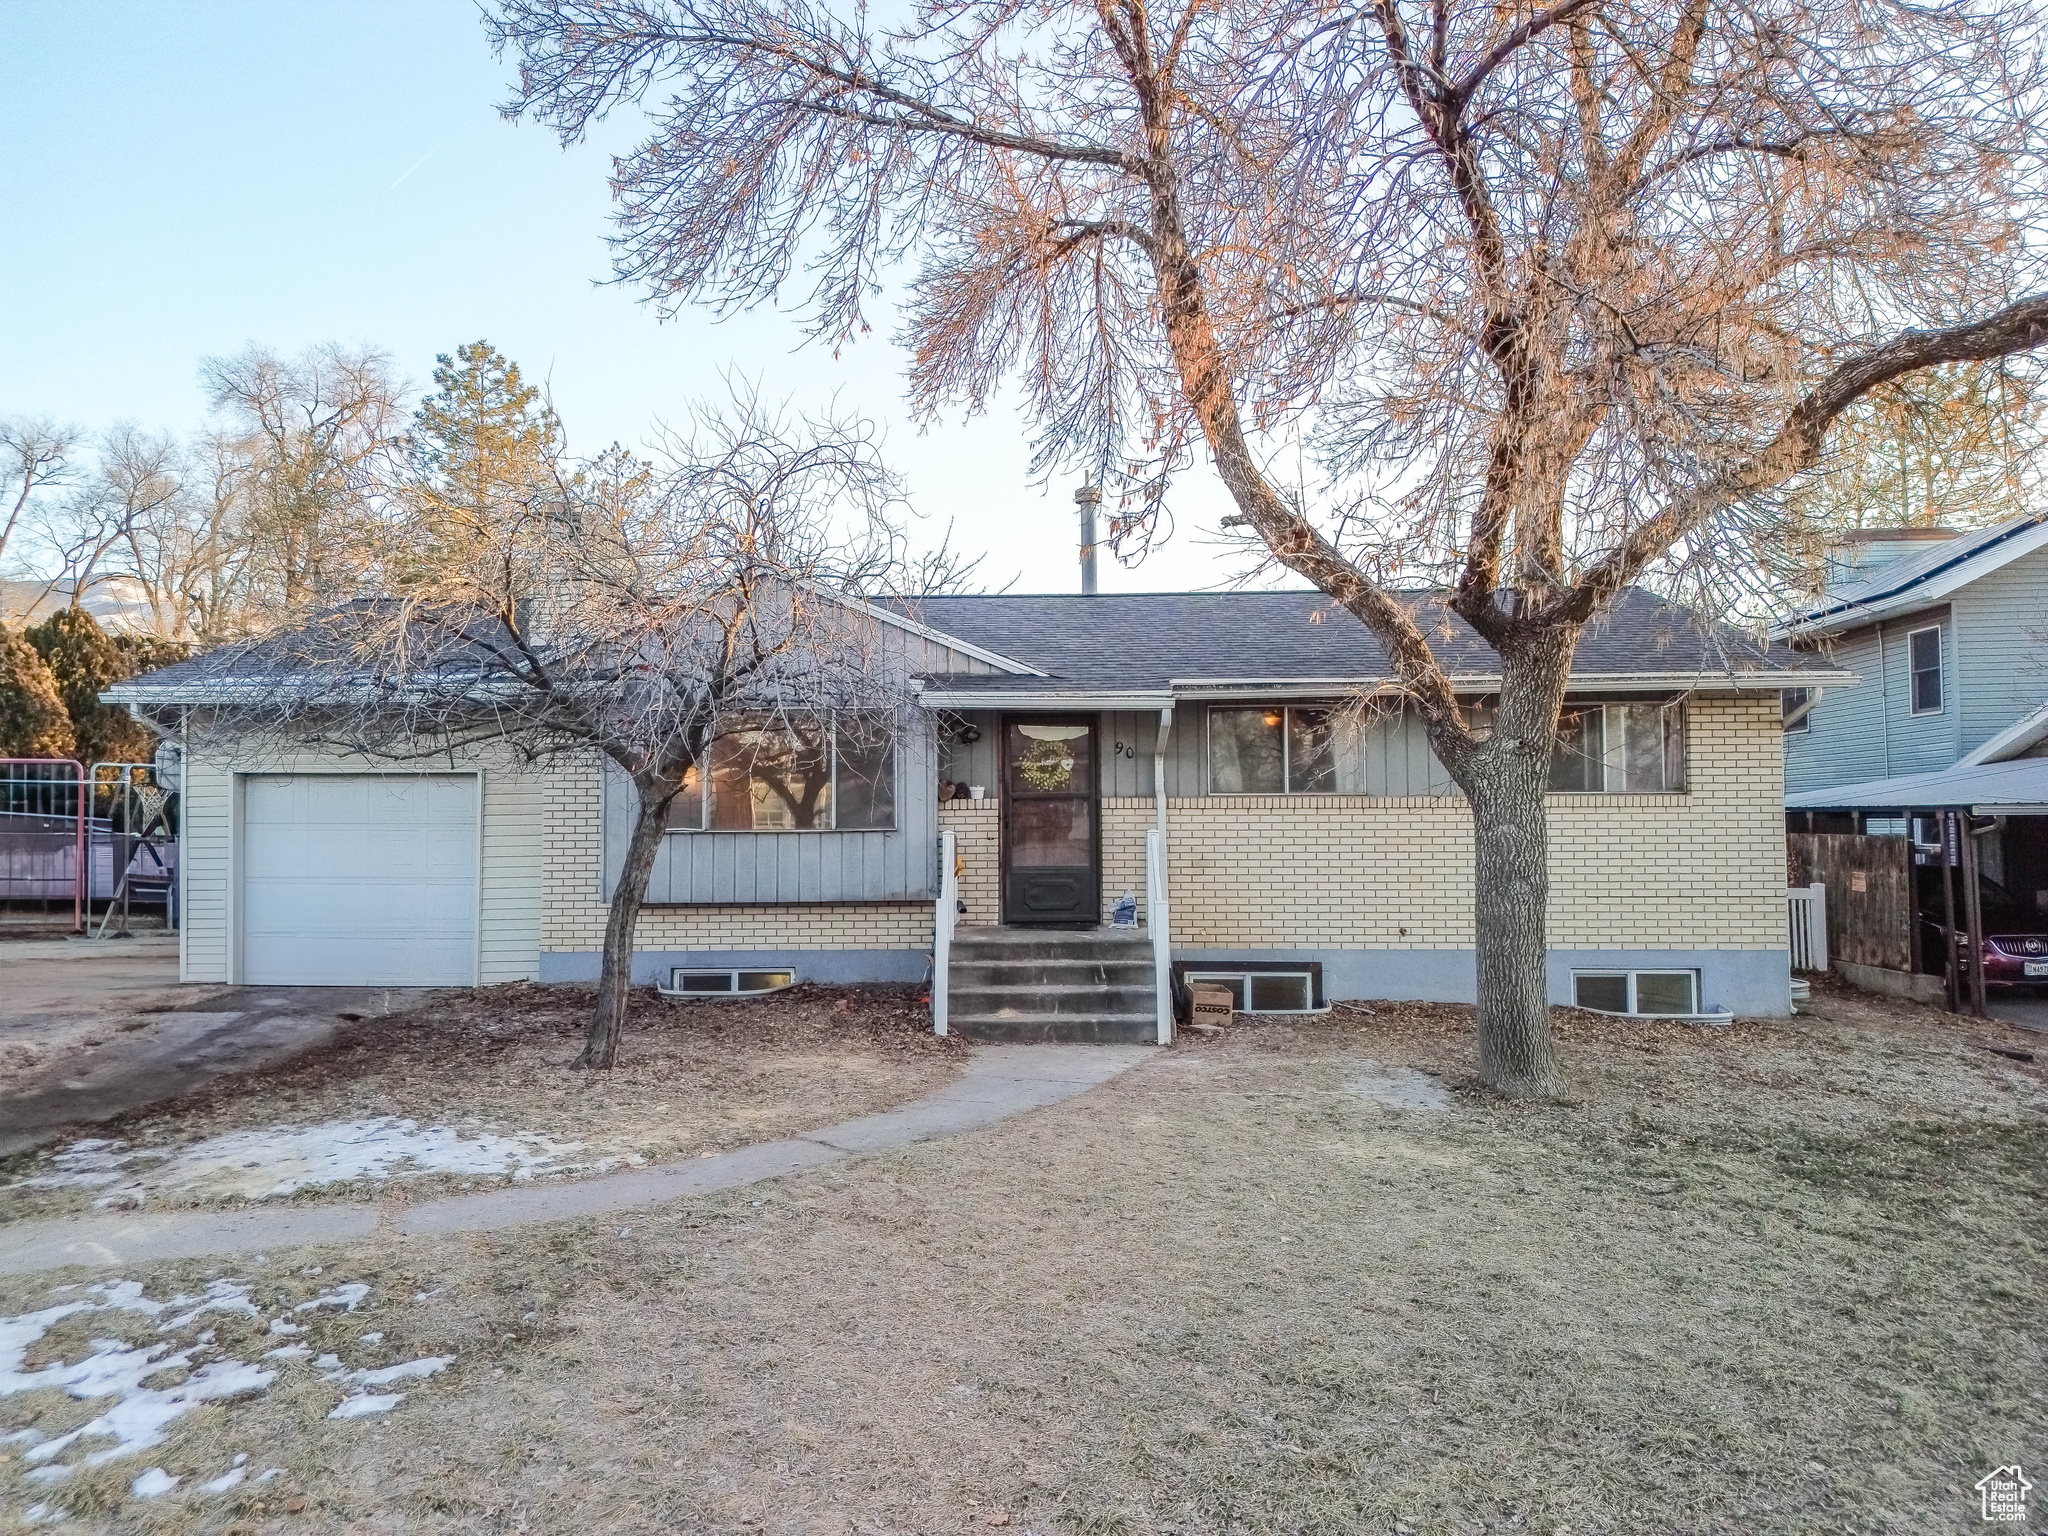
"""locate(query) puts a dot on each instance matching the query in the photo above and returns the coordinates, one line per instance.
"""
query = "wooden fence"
(1869, 903)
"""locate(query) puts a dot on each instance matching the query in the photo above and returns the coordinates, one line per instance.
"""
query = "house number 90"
(1125, 749)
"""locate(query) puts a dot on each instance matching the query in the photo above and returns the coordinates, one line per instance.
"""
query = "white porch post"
(942, 927)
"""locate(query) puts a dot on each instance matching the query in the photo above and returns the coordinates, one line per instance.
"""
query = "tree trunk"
(615, 970)
(1505, 779)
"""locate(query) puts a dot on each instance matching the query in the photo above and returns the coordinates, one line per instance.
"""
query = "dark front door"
(1051, 843)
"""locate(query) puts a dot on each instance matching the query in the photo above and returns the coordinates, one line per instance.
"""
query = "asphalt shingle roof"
(1142, 640)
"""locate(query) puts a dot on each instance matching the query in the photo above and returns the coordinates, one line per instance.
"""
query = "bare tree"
(314, 434)
(623, 611)
(35, 457)
(1564, 292)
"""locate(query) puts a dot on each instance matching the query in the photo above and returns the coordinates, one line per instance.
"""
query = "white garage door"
(359, 879)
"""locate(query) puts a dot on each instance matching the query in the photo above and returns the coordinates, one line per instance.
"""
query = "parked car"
(2015, 939)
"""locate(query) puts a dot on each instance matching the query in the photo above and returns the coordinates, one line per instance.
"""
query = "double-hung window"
(817, 774)
(1796, 705)
(1635, 749)
(1923, 656)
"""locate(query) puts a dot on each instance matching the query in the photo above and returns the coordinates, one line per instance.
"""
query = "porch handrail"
(1806, 912)
(942, 926)
(1159, 924)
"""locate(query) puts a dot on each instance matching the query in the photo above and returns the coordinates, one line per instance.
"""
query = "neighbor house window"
(825, 774)
(1797, 705)
(1636, 749)
(1287, 750)
(1651, 992)
(1923, 656)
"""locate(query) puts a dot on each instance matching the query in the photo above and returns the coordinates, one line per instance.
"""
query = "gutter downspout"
(1160, 917)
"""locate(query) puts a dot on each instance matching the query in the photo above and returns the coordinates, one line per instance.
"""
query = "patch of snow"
(282, 1326)
(284, 1159)
(371, 1338)
(288, 1352)
(363, 1404)
(360, 1403)
(1399, 1088)
(411, 1370)
(111, 1368)
(346, 1297)
(88, 1163)
(226, 1480)
(328, 1363)
(152, 1483)
(36, 1514)
(268, 1473)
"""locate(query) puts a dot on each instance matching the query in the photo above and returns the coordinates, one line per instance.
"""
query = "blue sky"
(183, 179)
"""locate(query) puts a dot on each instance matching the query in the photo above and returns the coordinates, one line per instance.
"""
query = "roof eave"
(1919, 591)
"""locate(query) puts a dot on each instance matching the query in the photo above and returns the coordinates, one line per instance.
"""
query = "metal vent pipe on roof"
(1088, 498)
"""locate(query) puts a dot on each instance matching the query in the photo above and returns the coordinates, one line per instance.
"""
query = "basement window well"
(1639, 992)
(1259, 988)
(693, 983)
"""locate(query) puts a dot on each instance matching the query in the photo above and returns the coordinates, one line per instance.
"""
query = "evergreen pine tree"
(83, 660)
(33, 722)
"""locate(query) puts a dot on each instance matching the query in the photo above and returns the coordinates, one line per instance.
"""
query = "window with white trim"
(1639, 992)
(1796, 704)
(1260, 991)
(1923, 657)
(822, 774)
(689, 981)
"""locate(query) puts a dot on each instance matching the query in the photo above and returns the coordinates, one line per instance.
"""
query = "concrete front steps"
(1030, 986)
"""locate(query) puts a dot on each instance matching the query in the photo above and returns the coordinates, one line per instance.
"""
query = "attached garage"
(359, 879)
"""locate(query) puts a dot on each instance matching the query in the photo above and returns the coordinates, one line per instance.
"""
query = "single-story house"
(1308, 849)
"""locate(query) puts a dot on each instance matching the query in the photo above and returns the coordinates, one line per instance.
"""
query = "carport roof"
(1989, 789)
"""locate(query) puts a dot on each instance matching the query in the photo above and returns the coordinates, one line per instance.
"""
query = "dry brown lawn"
(693, 1078)
(1770, 1278)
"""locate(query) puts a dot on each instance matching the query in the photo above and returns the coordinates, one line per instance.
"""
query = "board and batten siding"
(712, 868)
(510, 857)
(755, 868)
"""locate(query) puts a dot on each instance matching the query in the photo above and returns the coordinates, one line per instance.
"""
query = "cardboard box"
(1211, 1005)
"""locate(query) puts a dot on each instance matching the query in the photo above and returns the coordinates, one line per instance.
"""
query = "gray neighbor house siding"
(1994, 670)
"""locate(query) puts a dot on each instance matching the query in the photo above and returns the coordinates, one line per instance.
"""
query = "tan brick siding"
(1699, 870)
(974, 826)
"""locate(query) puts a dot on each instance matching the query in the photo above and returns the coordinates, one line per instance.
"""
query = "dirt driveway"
(92, 1028)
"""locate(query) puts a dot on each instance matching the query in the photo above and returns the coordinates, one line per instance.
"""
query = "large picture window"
(1635, 749)
(835, 774)
(1316, 750)
(1286, 750)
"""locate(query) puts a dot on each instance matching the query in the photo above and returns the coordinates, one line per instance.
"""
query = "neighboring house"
(1945, 634)
(1311, 851)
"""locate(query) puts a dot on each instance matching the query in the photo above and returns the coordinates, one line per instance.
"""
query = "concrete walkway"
(1000, 1081)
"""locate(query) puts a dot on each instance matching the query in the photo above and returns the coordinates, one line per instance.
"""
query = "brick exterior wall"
(1699, 870)
(977, 835)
